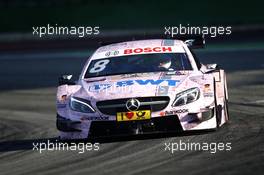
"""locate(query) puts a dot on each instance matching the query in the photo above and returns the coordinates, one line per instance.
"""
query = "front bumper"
(163, 124)
(113, 128)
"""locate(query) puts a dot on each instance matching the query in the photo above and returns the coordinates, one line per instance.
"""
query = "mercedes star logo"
(132, 104)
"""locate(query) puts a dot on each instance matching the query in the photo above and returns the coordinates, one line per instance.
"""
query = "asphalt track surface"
(27, 115)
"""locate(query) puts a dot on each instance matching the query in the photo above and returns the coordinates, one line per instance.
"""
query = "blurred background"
(116, 17)
(21, 15)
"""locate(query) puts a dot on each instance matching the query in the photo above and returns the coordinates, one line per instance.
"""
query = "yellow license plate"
(133, 115)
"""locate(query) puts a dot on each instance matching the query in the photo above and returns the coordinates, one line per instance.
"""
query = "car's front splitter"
(154, 125)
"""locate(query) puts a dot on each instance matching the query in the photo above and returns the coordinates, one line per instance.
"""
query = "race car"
(140, 87)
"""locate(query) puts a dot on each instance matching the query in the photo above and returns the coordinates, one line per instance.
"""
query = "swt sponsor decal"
(165, 82)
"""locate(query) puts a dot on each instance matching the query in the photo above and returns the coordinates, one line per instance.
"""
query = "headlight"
(81, 105)
(186, 97)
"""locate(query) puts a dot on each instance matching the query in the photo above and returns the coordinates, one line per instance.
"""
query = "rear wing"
(192, 41)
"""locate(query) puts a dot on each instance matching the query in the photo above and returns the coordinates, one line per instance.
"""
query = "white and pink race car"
(138, 87)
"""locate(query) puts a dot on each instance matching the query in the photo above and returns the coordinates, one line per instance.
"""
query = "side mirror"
(212, 66)
(66, 79)
(209, 68)
(195, 41)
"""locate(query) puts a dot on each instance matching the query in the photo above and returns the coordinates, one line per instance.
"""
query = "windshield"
(142, 63)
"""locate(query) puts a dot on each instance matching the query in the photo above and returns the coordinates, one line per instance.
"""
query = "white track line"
(255, 102)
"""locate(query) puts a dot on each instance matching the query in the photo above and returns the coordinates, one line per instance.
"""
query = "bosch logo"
(147, 50)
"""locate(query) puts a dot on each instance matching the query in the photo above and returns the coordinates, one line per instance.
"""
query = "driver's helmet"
(165, 63)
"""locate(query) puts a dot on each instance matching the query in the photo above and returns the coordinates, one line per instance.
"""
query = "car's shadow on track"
(29, 144)
(103, 140)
